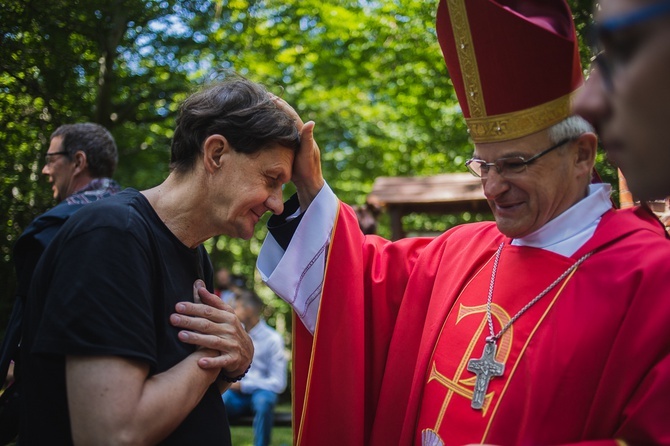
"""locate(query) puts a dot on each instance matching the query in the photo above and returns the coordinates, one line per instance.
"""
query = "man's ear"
(80, 162)
(214, 149)
(587, 146)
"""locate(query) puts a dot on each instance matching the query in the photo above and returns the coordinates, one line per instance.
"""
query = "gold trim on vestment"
(502, 127)
(519, 123)
(466, 57)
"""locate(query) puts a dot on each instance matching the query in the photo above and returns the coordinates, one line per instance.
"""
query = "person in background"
(223, 286)
(79, 163)
(257, 393)
(122, 341)
(627, 94)
(549, 326)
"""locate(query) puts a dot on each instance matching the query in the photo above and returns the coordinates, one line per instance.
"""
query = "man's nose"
(591, 101)
(494, 184)
(275, 202)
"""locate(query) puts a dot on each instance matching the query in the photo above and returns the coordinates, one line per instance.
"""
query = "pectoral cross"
(485, 368)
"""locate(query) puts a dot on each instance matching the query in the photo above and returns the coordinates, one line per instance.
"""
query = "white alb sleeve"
(296, 275)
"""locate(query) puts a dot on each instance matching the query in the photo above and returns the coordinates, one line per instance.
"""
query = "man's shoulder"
(125, 211)
(56, 215)
(76, 201)
(124, 201)
(43, 227)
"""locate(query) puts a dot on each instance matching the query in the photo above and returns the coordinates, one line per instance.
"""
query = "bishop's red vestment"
(398, 322)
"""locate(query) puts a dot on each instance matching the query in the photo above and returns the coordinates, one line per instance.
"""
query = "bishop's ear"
(214, 150)
(587, 146)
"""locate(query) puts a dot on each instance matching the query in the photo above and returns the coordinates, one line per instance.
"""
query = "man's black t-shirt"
(107, 285)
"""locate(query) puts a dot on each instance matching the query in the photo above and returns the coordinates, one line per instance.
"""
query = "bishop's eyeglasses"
(508, 166)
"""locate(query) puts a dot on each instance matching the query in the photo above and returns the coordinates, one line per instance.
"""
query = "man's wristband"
(235, 379)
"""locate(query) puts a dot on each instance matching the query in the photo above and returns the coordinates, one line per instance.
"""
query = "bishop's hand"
(307, 175)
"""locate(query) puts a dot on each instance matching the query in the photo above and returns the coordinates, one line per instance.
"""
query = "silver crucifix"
(485, 368)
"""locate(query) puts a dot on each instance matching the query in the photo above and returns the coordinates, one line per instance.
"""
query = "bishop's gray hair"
(570, 127)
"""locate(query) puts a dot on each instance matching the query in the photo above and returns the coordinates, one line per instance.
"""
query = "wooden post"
(397, 232)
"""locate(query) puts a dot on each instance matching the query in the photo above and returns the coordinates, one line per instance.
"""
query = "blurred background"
(369, 73)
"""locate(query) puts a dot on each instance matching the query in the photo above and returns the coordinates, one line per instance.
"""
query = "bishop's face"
(524, 201)
(627, 95)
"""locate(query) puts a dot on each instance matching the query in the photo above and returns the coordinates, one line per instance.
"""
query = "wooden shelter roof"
(448, 193)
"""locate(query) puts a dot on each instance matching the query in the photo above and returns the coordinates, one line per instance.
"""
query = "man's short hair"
(95, 141)
(239, 110)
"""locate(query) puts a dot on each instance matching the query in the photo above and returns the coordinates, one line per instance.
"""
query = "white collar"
(567, 233)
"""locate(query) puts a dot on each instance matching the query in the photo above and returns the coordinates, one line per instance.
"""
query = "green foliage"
(369, 73)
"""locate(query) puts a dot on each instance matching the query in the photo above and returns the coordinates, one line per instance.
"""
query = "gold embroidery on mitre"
(519, 123)
(466, 57)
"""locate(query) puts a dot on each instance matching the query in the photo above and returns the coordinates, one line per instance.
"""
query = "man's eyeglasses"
(620, 50)
(509, 166)
(48, 157)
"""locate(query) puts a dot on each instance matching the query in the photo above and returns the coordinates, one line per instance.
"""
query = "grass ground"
(244, 436)
(281, 436)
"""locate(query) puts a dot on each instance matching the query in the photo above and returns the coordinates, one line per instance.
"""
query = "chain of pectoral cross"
(487, 367)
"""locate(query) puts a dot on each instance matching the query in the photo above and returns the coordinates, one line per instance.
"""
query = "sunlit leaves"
(369, 73)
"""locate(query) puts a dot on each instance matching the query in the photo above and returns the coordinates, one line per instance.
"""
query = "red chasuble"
(398, 322)
(445, 413)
